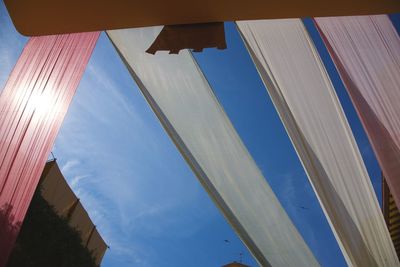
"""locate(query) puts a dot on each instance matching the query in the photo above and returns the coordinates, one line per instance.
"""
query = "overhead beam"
(42, 17)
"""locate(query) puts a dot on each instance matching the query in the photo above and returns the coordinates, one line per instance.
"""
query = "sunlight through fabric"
(186, 106)
(32, 107)
(305, 99)
(366, 51)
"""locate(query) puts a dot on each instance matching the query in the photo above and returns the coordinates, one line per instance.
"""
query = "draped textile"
(366, 51)
(97, 246)
(81, 221)
(57, 193)
(183, 101)
(302, 92)
(32, 107)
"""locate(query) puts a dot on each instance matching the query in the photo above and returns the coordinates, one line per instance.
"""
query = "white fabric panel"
(181, 97)
(306, 101)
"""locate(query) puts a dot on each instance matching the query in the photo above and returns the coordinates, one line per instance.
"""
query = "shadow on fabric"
(8, 231)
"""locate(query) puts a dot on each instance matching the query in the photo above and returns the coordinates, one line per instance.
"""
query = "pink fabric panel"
(366, 51)
(32, 107)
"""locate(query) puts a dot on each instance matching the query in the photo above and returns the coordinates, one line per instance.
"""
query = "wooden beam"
(42, 17)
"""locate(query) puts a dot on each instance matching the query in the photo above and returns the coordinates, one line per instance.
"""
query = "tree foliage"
(46, 240)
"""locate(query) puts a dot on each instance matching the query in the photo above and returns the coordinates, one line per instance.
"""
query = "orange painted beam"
(42, 17)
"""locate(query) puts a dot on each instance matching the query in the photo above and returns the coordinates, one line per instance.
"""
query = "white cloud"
(124, 168)
(69, 165)
(75, 181)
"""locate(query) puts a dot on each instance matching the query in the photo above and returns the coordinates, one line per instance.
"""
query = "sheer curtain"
(32, 107)
(182, 99)
(302, 92)
(366, 51)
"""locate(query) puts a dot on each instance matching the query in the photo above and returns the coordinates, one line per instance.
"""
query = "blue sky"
(143, 198)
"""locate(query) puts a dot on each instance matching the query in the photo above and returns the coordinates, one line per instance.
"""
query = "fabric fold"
(183, 101)
(366, 52)
(32, 107)
(305, 99)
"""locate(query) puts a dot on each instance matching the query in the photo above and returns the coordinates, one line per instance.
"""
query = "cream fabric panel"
(303, 94)
(182, 99)
(97, 245)
(56, 191)
(80, 220)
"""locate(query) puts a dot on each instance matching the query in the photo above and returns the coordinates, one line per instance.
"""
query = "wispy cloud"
(124, 168)
(75, 180)
(70, 164)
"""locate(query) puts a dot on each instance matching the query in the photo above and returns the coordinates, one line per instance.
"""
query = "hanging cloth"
(183, 101)
(302, 92)
(366, 51)
(32, 107)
